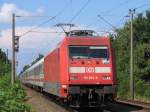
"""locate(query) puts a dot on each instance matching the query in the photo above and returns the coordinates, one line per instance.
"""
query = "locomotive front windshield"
(88, 52)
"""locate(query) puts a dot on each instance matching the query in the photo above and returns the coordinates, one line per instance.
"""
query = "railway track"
(117, 107)
(134, 103)
(109, 107)
(126, 107)
(58, 107)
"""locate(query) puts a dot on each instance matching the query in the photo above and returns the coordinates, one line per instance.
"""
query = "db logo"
(90, 70)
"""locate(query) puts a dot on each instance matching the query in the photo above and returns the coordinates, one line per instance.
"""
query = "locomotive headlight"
(64, 86)
(105, 61)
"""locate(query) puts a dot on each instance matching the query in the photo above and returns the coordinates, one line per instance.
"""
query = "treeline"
(11, 96)
(5, 65)
(40, 56)
(141, 56)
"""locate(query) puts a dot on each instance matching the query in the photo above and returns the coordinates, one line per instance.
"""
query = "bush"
(12, 96)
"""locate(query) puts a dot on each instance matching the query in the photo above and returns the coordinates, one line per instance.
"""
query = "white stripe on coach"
(77, 69)
(97, 69)
(102, 69)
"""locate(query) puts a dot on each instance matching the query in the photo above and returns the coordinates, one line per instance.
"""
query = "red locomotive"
(80, 70)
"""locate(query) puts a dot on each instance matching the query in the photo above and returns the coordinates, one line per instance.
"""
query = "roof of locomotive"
(82, 34)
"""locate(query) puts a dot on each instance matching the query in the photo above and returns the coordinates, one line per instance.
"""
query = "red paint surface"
(52, 67)
(57, 63)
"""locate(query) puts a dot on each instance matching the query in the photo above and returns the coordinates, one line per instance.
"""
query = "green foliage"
(141, 40)
(12, 96)
(4, 63)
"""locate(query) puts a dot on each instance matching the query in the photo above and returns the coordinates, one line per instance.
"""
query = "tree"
(26, 67)
(141, 40)
(4, 63)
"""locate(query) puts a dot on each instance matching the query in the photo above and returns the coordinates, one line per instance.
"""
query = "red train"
(80, 70)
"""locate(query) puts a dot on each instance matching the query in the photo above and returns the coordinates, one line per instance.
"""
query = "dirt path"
(40, 104)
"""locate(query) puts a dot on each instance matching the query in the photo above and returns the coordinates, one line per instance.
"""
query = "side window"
(35, 71)
(41, 68)
(32, 72)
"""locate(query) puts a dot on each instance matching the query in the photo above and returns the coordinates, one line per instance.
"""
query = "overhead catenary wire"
(58, 14)
(145, 10)
(62, 10)
(109, 32)
(51, 18)
(46, 32)
(114, 27)
(81, 9)
(126, 16)
(148, 4)
(110, 10)
(141, 6)
(122, 20)
(99, 16)
(33, 16)
(96, 20)
(119, 5)
(38, 26)
(25, 17)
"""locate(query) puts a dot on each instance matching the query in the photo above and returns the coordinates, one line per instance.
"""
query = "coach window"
(30, 73)
(39, 69)
(26, 74)
(36, 70)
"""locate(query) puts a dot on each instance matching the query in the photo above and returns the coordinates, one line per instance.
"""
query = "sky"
(82, 13)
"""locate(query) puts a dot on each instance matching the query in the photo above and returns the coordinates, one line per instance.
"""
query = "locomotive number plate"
(90, 78)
